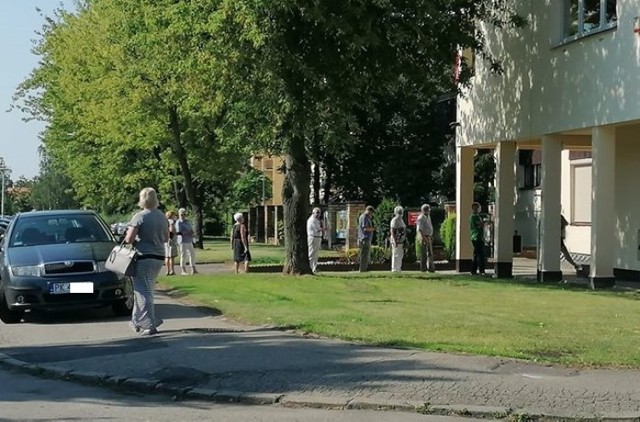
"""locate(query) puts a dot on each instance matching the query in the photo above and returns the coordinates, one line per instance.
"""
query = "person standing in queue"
(365, 235)
(315, 232)
(171, 248)
(397, 235)
(184, 231)
(477, 239)
(240, 243)
(563, 247)
(424, 231)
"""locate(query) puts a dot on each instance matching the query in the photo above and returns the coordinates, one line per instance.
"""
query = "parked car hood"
(35, 255)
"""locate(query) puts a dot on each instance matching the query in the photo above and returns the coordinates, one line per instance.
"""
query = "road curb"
(150, 386)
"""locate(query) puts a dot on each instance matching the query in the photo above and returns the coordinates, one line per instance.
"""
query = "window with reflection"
(573, 24)
(611, 15)
(583, 17)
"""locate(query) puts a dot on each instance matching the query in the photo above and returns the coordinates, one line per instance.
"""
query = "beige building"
(263, 220)
(571, 86)
(269, 166)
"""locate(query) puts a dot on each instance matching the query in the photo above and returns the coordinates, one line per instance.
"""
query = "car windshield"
(68, 228)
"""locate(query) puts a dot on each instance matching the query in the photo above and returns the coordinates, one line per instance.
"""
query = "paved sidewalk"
(205, 356)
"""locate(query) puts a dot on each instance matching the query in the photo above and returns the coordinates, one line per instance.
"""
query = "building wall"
(496, 107)
(627, 197)
(549, 86)
(578, 237)
(270, 166)
(526, 216)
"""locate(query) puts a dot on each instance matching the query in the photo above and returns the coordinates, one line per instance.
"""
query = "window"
(581, 194)
(531, 167)
(532, 176)
(579, 155)
(583, 17)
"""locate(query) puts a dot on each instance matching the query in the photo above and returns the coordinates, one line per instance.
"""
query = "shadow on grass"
(462, 280)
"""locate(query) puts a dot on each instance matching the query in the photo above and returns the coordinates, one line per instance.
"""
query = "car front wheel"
(9, 316)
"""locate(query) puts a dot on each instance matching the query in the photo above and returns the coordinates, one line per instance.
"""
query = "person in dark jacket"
(240, 243)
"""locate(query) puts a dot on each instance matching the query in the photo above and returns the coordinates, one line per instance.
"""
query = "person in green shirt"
(477, 239)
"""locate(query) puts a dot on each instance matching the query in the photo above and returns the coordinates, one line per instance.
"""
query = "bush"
(116, 218)
(448, 235)
(377, 256)
(418, 249)
(381, 219)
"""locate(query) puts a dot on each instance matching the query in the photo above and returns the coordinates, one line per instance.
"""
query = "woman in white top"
(398, 236)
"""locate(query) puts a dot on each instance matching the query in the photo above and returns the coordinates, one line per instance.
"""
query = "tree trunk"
(316, 183)
(189, 186)
(328, 179)
(295, 195)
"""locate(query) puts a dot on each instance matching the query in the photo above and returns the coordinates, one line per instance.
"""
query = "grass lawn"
(217, 251)
(454, 313)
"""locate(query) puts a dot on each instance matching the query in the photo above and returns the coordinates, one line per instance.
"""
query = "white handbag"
(122, 260)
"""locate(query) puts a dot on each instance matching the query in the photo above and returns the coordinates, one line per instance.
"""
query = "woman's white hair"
(148, 198)
(398, 210)
(237, 217)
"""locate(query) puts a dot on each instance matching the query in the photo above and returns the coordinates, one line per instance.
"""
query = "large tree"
(129, 90)
(397, 155)
(321, 66)
(51, 189)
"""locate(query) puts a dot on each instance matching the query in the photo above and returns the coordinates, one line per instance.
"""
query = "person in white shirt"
(424, 234)
(315, 231)
(184, 231)
(397, 236)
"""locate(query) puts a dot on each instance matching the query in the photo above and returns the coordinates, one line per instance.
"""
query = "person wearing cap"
(240, 243)
(365, 235)
(397, 236)
(424, 231)
(184, 231)
(315, 232)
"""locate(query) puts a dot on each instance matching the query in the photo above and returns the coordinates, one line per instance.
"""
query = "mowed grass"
(453, 313)
(219, 251)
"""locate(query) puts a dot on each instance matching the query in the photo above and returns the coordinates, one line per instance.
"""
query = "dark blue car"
(55, 260)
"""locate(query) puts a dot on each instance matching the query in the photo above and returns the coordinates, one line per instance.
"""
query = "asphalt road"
(27, 398)
(91, 334)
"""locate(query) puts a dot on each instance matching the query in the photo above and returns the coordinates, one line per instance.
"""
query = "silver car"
(55, 260)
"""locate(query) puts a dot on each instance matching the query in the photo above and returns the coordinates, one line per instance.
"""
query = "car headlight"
(100, 266)
(26, 271)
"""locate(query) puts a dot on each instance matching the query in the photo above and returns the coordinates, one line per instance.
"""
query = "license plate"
(65, 288)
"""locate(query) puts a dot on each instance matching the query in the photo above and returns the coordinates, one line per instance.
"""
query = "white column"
(603, 217)
(464, 199)
(550, 235)
(503, 218)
